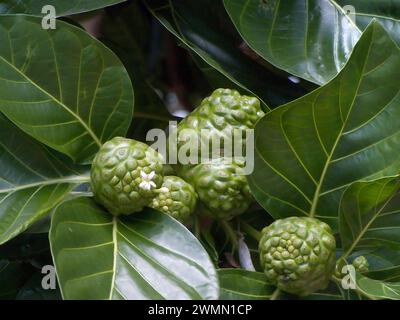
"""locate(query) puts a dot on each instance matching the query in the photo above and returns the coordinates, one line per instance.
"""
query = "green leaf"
(384, 263)
(62, 86)
(332, 292)
(370, 215)
(197, 26)
(310, 150)
(32, 180)
(62, 7)
(214, 78)
(147, 255)
(207, 241)
(376, 289)
(387, 12)
(239, 284)
(309, 39)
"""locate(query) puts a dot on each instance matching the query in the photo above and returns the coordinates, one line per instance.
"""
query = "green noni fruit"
(220, 183)
(361, 264)
(218, 116)
(222, 187)
(125, 175)
(176, 197)
(298, 254)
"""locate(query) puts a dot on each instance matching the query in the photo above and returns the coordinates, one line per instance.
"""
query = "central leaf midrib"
(71, 179)
(84, 125)
(339, 8)
(173, 277)
(115, 253)
(329, 158)
(370, 222)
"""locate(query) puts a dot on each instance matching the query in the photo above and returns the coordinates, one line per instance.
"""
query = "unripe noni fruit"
(221, 185)
(223, 116)
(298, 254)
(222, 109)
(125, 175)
(176, 197)
(361, 264)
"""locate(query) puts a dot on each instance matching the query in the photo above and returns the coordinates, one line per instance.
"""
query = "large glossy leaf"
(197, 25)
(147, 255)
(383, 261)
(311, 39)
(375, 289)
(387, 12)
(62, 86)
(332, 292)
(370, 215)
(32, 180)
(63, 7)
(310, 150)
(239, 284)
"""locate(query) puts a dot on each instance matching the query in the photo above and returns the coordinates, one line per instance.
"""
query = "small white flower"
(147, 182)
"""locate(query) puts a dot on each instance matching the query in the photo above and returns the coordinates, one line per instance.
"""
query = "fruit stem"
(230, 233)
(255, 234)
(275, 294)
(196, 223)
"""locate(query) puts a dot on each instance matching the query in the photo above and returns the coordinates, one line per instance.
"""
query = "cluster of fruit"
(128, 175)
(297, 253)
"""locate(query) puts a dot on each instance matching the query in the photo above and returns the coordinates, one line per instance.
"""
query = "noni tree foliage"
(230, 149)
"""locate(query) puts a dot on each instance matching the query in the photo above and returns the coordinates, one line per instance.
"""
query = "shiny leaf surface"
(32, 180)
(310, 39)
(387, 12)
(375, 289)
(147, 255)
(310, 150)
(62, 7)
(370, 215)
(62, 86)
(196, 25)
(239, 284)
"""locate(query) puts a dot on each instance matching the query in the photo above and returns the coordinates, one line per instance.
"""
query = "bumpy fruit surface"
(298, 254)
(361, 264)
(222, 187)
(224, 109)
(125, 175)
(176, 197)
(218, 115)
